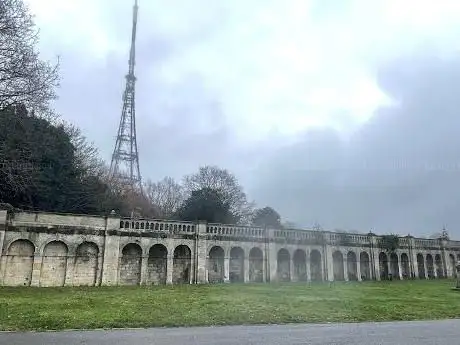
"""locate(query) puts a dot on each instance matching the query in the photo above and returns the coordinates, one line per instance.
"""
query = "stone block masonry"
(43, 249)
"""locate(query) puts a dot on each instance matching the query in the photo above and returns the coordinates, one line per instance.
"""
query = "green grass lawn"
(191, 305)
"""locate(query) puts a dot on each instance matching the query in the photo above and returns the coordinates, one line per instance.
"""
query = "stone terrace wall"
(43, 249)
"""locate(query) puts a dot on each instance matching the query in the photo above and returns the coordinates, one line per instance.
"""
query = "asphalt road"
(388, 333)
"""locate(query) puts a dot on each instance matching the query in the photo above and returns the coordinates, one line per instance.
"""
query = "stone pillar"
(307, 266)
(375, 263)
(69, 272)
(111, 251)
(246, 267)
(227, 268)
(169, 268)
(36, 269)
(201, 253)
(144, 269)
(425, 263)
(413, 265)
(272, 257)
(345, 267)
(292, 277)
(3, 225)
(358, 267)
(329, 264)
(400, 268)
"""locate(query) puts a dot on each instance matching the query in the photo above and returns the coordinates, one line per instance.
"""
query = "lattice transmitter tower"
(125, 158)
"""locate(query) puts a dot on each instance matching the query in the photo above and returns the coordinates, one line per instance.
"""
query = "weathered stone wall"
(41, 249)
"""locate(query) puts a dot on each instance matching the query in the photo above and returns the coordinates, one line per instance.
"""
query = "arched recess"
(86, 264)
(182, 265)
(316, 267)
(337, 264)
(216, 265)
(352, 266)
(421, 266)
(130, 264)
(19, 263)
(256, 265)
(439, 266)
(394, 265)
(236, 265)
(383, 264)
(453, 271)
(405, 266)
(430, 266)
(300, 265)
(157, 265)
(54, 264)
(284, 265)
(365, 266)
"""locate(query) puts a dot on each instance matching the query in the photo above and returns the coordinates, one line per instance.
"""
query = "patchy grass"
(193, 305)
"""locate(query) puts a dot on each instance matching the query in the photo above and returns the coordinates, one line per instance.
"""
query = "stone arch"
(54, 264)
(256, 265)
(216, 272)
(130, 264)
(337, 264)
(352, 266)
(430, 266)
(316, 267)
(300, 265)
(421, 266)
(439, 266)
(236, 272)
(182, 265)
(86, 264)
(365, 266)
(19, 263)
(157, 264)
(405, 267)
(453, 271)
(394, 266)
(383, 264)
(283, 265)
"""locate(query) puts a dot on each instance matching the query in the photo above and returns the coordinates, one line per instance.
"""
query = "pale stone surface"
(43, 249)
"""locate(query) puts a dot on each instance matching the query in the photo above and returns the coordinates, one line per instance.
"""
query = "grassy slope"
(189, 305)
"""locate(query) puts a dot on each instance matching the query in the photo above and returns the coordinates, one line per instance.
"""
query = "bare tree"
(227, 184)
(24, 77)
(167, 195)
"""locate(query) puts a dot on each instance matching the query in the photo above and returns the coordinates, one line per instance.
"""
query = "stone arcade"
(43, 249)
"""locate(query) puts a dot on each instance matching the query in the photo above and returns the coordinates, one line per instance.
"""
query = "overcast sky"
(342, 112)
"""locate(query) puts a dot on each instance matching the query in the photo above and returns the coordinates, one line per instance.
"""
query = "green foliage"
(389, 243)
(267, 217)
(208, 205)
(40, 168)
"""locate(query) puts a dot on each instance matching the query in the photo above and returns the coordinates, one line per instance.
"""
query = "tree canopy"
(206, 204)
(267, 217)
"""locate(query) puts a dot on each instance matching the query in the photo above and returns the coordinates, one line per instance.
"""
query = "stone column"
(246, 267)
(292, 270)
(144, 269)
(3, 225)
(169, 268)
(227, 268)
(307, 266)
(36, 269)
(201, 252)
(111, 255)
(69, 272)
(345, 267)
(358, 268)
(328, 263)
(400, 268)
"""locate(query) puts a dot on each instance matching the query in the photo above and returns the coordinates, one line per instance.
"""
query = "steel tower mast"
(125, 158)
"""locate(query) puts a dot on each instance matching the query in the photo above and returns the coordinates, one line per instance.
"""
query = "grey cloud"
(399, 172)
